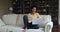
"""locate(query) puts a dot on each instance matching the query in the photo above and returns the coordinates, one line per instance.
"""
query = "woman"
(31, 15)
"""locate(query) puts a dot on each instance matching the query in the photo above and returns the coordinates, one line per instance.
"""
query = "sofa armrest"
(49, 26)
(1, 23)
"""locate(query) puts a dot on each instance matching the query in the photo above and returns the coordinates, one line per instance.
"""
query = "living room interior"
(17, 7)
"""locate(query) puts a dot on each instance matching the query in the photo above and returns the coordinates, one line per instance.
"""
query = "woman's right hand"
(29, 20)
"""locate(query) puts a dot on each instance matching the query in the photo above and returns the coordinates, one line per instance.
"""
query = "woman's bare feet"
(24, 29)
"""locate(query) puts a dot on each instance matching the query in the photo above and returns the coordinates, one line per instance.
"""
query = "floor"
(56, 29)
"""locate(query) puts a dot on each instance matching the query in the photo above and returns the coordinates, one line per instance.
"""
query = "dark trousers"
(29, 25)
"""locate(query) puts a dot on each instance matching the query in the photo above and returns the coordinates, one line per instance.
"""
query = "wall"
(4, 7)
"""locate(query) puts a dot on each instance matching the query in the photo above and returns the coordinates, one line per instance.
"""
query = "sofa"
(15, 23)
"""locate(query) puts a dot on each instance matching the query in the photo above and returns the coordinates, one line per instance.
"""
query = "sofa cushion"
(36, 30)
(20, 20)
(10, 28)
(10, 19)
(1, 23)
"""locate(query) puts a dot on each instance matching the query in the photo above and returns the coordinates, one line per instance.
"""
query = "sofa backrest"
(17, 19)
(10, 19)
(45, 20)
(20, 20)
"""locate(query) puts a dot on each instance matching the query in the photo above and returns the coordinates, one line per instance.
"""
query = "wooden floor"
(56, 29)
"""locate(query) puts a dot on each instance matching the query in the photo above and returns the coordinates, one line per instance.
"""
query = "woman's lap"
(36, 26)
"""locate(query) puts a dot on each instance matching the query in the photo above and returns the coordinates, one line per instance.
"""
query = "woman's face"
(34, 9)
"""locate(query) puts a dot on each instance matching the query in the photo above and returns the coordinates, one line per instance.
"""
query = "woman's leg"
(35, 26)
(30, 26)
(26, 24)
(25, 19)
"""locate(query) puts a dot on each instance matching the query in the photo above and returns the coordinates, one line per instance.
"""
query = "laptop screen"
(36, 20)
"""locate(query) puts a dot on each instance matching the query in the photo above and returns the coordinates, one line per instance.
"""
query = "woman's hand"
(29, 20)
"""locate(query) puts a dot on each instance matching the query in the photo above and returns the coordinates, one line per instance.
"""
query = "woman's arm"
(38, 15)
(29, 20)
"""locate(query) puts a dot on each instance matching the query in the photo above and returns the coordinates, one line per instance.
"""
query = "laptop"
(36, 20)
